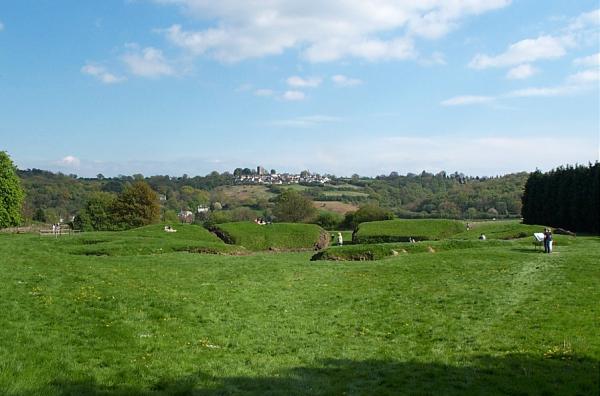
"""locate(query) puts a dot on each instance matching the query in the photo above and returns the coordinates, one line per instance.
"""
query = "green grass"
(378, 251)
(277, 236)
(497, 319)
(346, 237)
(145, 240)
(500, 229)
(402, 230)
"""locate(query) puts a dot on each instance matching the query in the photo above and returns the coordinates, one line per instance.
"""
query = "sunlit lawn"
(497, 320)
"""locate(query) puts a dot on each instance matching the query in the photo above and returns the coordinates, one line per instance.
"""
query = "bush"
(364, 214)
(136, 206)
(329, 220)
(291, 206)
(97, 214)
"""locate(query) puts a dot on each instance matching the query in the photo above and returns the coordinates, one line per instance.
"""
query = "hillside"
(51, 196)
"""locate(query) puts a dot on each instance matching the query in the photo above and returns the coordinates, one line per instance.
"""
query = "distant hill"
(52, 196)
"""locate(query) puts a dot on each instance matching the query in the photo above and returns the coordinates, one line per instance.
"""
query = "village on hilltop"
(261, 176)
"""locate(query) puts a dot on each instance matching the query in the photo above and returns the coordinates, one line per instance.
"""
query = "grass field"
(335, 206)
(497, 319)
(401, 230)
(278, 236)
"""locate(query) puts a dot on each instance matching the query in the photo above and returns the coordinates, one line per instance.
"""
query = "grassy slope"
(400, 230)
(471, 321)
(278, 235)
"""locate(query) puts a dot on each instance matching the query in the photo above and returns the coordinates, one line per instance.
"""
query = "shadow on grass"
(485, 375)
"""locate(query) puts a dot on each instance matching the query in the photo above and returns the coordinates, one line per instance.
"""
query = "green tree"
(329, 220)
(39, 215)
(98, 213)
(170, 216)
(366, 213)
(11, 193)
(137, 206)
(471, 213)
(293, 207)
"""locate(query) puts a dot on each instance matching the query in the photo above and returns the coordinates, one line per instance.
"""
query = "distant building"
(202, 209)
(186, 216)
(260, 170)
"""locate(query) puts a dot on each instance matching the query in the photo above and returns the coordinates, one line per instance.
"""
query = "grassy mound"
(184, 232)
(378, 251)
(279, 236)
(500, 229)
(147, 240)
(401, 230)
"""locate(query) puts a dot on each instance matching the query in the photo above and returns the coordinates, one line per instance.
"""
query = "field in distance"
(141, 312)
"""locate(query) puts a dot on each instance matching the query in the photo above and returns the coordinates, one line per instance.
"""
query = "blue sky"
(483, 87)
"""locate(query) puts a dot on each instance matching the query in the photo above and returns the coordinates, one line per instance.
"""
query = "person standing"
(340, 239)
(548, 238)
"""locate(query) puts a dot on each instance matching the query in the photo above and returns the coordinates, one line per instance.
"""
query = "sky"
(483, 87)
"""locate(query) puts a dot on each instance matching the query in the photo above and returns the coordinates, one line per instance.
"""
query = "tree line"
(566, 197)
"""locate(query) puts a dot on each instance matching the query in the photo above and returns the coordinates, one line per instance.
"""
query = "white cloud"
(559, 90)
(299, 82)
(521, 72)
(588, 61)
(147, 62)
(585, 77)
(369, 49)
(101, 74)
(344, 81)
(69, 162)
(264, 92)
(372, 30)
(585, 20)
(528, 50)
(293, 96)
(467, 100)
(576, 83)
(582, 30)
